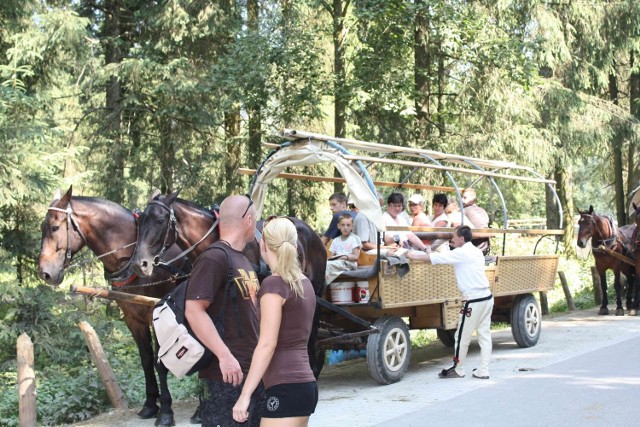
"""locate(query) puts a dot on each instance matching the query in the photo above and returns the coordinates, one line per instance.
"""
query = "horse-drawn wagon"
(425, 295)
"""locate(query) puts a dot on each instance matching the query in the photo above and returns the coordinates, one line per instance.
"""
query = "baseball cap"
(417, 199)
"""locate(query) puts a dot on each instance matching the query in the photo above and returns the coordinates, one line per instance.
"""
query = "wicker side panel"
(517, 275)
(451, 314)
(423, 284)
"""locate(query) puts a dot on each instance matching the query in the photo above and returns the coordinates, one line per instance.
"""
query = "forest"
(118, 98)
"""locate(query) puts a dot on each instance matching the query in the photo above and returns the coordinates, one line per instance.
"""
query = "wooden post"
(28, 414)
(567, 292)
(544, 303)
(597, 286)
(100, 360)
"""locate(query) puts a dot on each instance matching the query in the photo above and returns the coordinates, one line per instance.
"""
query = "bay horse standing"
(169, 219)
(602, 232)
(110, 231)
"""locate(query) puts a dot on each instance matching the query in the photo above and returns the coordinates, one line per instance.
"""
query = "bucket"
(363, 292)
(342, 292)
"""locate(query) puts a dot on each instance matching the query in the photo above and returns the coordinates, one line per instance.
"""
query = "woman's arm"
(271, 316)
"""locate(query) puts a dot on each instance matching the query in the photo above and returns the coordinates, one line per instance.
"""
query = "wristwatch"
(396, 238)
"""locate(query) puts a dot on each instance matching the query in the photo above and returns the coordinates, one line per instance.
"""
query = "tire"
(447, 337)
(389, 352)
(526, 320)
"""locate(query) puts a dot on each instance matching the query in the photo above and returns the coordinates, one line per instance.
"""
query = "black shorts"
(219, 400)
(291, 400)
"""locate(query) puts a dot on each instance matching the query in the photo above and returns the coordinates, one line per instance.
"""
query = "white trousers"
(475, 316)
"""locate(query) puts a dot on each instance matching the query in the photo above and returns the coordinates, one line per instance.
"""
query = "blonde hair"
(281, 237)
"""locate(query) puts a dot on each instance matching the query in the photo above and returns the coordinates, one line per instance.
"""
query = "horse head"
(156, 233)
(61, 239)
(586, 225)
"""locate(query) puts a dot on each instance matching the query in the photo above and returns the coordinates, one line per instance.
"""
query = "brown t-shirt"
(290, 362)
(208, 282)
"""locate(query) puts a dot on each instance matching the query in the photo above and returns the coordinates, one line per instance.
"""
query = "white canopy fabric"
(308, 152)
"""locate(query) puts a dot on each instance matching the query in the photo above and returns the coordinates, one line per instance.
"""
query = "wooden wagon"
(427, 295)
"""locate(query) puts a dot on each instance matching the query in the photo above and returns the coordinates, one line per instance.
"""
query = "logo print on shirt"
(247, 283)
(272, 404)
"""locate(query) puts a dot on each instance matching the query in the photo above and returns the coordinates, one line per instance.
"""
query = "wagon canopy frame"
(302, 148)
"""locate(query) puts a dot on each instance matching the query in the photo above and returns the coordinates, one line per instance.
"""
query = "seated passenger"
(395, 205)
(455, 216)
(366, 230)
(345, 250)
(440, 219)
(338, 205)
(416, 206)
(477, 216)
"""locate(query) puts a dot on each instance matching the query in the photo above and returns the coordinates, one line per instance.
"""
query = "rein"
(157, 260)
(606, 242)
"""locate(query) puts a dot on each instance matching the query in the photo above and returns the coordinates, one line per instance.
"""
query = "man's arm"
(205, 330)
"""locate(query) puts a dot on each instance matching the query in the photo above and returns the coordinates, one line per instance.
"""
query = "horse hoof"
(148, 412)
(195, 418)
(632, 312)
(619, 311)
(165, 420)
(603, 311)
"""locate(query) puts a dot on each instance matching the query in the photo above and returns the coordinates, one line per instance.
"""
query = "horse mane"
(202, 209)
(106, 205)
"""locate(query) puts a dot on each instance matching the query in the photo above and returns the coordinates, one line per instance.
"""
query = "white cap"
(417, 199)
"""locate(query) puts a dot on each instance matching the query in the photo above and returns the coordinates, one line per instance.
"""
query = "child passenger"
(345, 250)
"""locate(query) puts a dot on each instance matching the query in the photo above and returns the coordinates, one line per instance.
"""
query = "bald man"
(221, 308)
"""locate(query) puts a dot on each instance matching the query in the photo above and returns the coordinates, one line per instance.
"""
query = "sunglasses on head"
(248, 206)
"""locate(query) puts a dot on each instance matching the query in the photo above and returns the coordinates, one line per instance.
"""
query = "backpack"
(178, 347)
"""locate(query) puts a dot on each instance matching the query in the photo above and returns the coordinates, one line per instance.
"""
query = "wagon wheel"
(526, 320)
(389, 351)
(447, 336)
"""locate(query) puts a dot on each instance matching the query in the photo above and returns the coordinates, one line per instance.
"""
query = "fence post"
(567, 292)
(102, 364)
(544, 303)
(597, 286)
(28, 414)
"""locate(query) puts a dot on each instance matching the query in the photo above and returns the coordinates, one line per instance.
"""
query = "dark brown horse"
(110, 230)
(169, 219)
(602, 232)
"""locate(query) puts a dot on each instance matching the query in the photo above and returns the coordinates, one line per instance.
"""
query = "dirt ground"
(348, 395)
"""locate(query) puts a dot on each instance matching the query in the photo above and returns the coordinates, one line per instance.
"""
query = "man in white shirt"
(468, 264)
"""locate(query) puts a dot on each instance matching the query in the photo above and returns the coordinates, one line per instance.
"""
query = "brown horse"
(168, 219)
(110, 230)
(602, 232)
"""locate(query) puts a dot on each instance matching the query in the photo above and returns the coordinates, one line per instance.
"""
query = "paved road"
(585, 370)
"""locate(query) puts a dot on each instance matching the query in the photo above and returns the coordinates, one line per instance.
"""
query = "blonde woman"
(287, 304)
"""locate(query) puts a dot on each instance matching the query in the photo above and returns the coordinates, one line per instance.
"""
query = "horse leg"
(165, 417)
(636, 297)
(618, 287)
(142, 336)
(604, 310)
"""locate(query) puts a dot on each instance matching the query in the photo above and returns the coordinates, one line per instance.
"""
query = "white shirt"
(468, 265)
(388, 220)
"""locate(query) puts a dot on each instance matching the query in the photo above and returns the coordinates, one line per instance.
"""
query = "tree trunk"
(341, 98)
(113, 55)
(167, 156)
(634, 109)
(339, 70)
(564, 178)
(616, 146)
(234, 151)
(422, 73)
(254, 147)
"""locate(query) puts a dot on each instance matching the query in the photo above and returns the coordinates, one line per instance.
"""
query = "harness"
(157, 260)
(119, 278)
